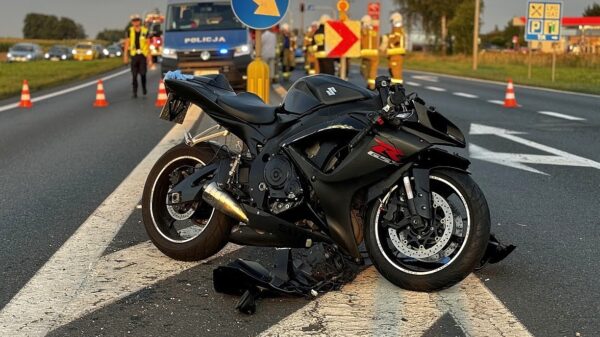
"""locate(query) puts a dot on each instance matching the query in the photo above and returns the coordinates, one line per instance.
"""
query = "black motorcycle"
(334, 163)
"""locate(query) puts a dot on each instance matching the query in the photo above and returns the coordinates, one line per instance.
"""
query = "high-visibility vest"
(396, 42)
(144, 46)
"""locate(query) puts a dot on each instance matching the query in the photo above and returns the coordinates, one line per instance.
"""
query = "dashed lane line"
(435, 88)
(464, 94)
(371, 306)
(36, 308)
(496, 101)
(413, 84)
(559, 115)
(64, 91)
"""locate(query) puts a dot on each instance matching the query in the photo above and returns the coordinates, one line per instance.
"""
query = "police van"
(205, 37)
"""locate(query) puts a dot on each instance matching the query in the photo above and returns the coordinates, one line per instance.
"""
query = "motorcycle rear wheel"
(189, 232)
(459, 235)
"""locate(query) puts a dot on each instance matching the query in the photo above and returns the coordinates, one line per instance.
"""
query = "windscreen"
(201, 16)
(83, 46)
(22, 47)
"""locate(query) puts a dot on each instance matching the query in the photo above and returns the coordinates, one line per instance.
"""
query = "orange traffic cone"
(25, 96)
(161, 100)
(100, 98)
(509, 100)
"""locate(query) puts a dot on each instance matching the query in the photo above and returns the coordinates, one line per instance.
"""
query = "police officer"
(396, 48)
(137, 47)
(369, 51)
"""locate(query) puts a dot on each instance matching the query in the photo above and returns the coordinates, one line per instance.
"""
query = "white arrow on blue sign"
(260, 14)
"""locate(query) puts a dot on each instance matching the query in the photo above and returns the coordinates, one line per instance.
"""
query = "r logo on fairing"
(385, 152)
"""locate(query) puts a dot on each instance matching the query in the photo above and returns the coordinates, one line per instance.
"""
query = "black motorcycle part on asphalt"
(315, 270)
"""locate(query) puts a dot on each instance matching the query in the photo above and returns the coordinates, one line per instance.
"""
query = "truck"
(154, 23)
(205, 37)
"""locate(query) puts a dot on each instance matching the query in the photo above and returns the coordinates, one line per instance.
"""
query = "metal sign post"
(259, 15)
(343, 6)
(543, 25)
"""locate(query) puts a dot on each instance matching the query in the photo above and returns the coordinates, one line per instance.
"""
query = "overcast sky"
(96, 15)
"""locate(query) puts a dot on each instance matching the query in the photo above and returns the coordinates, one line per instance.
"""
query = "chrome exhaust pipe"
(223, 202)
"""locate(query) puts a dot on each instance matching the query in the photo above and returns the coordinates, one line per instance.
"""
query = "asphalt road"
(61, 161)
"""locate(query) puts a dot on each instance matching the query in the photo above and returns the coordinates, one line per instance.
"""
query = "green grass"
(573, 73)
(45, 74)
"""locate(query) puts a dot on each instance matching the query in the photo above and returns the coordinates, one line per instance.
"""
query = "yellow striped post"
(258, 72)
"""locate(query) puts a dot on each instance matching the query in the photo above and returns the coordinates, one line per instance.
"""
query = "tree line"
(42, 26)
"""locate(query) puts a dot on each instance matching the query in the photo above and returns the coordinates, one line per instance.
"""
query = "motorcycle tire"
(216, 231)
(464, 262)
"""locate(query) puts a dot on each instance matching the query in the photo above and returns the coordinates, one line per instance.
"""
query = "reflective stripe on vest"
(144, 48)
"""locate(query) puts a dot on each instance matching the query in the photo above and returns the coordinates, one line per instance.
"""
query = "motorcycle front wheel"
(435, 254)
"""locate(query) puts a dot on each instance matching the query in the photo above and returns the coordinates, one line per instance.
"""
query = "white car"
(23, 52)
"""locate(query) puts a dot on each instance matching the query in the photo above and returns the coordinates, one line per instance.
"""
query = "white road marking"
(518, 160)
(559, 115)
(413, 84)
(64, 91)
(495, 101)
(428, 78)
(122, 273)
(371, 306)
(464, 94)
(435, 88)
(35, 309)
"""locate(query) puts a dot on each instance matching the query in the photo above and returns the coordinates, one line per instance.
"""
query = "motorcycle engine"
(285, 190)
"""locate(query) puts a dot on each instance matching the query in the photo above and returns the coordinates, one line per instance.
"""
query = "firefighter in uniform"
(369, 51)
(310, 61)
(137, 47)
(396, 48)
(326, 65)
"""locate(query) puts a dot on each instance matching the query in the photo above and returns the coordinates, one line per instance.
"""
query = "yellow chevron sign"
(266, 7)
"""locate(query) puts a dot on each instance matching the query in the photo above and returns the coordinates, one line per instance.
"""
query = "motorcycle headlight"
(242, 50)
(169, 53)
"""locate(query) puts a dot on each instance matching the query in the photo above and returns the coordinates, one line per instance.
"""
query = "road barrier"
(25, 96)
(100, 97)
(510, 100)
(161, 100)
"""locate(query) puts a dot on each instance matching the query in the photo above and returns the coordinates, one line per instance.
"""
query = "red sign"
(373, 10)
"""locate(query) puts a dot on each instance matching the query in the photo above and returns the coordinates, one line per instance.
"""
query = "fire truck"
(154, 22)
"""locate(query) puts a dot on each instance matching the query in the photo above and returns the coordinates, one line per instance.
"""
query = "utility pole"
(476, 35)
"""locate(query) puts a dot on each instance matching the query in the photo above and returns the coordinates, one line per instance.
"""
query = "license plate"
(175, 109)
(202, 72)
(54, 59)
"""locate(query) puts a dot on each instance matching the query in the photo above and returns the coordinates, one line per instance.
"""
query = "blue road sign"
(260, 14)
(543, 21)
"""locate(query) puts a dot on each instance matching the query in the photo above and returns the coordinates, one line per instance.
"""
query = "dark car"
(59, 53)
(114, 50)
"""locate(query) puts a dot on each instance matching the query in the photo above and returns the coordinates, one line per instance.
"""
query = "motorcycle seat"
(248, 107)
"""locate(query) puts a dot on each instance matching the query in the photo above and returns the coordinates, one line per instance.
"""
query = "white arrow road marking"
(371, 306)
(518, 160)
(35, 309)
(559, 115)
(435, 88)
(464, 94)
(427, 78)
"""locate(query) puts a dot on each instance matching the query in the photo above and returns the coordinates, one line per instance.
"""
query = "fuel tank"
(313, 91)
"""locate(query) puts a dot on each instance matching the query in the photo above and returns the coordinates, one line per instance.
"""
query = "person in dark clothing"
(137, 47)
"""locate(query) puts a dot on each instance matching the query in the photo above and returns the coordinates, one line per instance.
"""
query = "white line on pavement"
(427, 78)
(464, 94)
(559, 115)
(413, 84)
(435, 88)
(64, 91)
(124, 272)
(371, 306)
(495, 101)
(35, 309)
